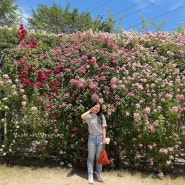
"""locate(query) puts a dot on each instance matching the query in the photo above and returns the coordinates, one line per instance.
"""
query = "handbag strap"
(103, 146)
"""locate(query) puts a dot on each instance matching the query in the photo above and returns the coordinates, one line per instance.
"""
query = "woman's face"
(96, 109)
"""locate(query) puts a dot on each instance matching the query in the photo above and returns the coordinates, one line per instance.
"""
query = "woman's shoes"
(99, 177)
(90, 179)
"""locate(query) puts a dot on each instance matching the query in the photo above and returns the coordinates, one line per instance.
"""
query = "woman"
(97, 139)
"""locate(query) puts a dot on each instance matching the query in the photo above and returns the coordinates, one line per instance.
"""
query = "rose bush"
(50, 80)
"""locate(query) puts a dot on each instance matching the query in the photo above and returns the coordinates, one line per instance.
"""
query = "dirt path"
(58, 176)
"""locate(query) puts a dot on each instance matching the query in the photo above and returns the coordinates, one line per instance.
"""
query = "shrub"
(53, 79)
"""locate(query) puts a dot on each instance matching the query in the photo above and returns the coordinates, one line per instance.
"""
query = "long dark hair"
(99, 114)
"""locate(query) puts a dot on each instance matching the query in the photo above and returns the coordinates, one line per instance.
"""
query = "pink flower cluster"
(141, 88)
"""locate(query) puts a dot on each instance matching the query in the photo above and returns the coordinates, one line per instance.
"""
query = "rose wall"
(48, 81)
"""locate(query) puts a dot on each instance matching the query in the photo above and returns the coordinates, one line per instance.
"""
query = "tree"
(8, 15)
(145, 23)
(151, 23)
(55, 19)
(180, 28)
(105, 26)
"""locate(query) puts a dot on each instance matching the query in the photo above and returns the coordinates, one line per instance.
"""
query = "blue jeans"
(95, 148)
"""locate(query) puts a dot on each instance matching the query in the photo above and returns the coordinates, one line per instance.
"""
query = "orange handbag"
(103, 158)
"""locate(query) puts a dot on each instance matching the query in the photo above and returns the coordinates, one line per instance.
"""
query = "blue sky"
(173, 11)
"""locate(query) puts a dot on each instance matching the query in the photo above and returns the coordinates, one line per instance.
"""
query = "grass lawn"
(58, 176)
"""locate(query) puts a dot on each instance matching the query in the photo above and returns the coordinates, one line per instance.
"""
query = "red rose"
(38, 84)
(26, 82)
(48, 106)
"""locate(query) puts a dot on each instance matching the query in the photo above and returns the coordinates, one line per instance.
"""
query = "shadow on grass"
(80, 173)
(176, 172)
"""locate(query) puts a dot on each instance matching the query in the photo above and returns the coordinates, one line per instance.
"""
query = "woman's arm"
(104, 135)
(84, 115)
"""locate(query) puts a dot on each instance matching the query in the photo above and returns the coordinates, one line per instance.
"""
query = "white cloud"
(23, 15)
